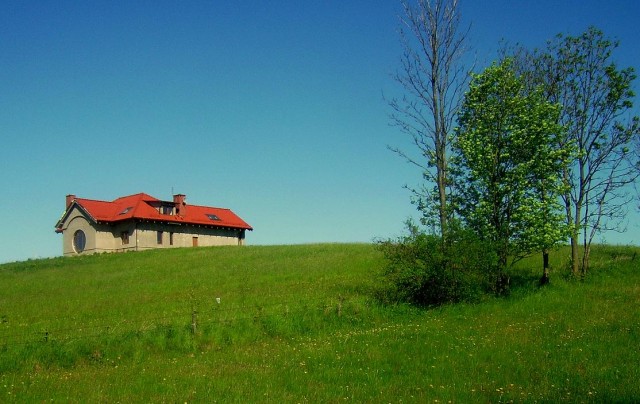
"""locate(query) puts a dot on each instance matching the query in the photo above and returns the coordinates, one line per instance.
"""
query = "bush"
(422, 270)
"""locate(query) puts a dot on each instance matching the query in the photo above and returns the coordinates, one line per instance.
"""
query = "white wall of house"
(173, 236)
(76, 221)
(141, 235)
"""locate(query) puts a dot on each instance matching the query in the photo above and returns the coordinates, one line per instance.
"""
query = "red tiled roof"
(145, 207)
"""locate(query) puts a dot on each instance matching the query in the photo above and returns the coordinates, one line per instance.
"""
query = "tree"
(419, 271)
(433, 79)
(596, 98)
(508, 168)
(526, 65)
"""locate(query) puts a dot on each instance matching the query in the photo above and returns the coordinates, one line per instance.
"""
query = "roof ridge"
(138, 195)
(208, 207)
(92, 200)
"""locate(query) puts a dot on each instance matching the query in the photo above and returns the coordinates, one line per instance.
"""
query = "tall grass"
(297, 323)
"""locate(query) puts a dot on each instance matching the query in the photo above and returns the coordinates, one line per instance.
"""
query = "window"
(125, 237)
(167, 210)
(79, 241)
(124, 212)
(171, 238)
(211, 216)
(159, 237)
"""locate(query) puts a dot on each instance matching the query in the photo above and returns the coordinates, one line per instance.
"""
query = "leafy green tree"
(508, 167)
(597, 98)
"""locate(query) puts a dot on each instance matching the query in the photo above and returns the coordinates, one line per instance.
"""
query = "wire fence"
(215, 313)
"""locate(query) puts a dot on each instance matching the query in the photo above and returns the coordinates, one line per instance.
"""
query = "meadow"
(300, 323)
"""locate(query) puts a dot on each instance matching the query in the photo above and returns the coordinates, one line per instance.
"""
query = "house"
(141, 222)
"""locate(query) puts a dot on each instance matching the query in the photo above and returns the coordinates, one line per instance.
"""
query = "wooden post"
(194, 321)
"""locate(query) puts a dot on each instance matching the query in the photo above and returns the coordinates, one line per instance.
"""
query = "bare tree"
(433, 79)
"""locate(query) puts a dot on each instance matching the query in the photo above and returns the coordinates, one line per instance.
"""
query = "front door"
(195, 241)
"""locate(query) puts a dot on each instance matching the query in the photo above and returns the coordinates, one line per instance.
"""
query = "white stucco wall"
(142, 236)
(147, 236)
(77, 221)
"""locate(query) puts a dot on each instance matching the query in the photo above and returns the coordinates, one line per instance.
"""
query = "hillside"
(294, 323)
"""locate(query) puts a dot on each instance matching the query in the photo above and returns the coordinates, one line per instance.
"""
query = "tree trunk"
(502, 283)
(440, 130)
(574, 255)
(573, 224)
(443, 201)
(575, 232)
(545, 268)
(585, 260)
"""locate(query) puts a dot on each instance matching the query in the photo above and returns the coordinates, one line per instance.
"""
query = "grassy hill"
(298, 323)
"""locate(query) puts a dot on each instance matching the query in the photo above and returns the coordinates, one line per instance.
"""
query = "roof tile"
(145, 207)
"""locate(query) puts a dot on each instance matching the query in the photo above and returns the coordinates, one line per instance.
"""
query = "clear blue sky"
(272, 109)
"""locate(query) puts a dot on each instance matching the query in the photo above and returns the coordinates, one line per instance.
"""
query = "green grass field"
(298, 323)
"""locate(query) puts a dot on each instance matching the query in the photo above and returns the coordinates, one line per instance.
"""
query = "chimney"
(181, 205)
(70, 199)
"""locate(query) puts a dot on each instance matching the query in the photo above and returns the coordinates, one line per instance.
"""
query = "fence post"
(194, 321)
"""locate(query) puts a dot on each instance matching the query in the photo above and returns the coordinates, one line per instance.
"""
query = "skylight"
(124, 212)
(212, 216)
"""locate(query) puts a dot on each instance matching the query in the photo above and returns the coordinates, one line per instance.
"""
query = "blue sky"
(272, 109)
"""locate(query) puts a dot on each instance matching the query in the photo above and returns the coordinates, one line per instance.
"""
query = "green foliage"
(422, 270)
(580, 74)
(508, 165)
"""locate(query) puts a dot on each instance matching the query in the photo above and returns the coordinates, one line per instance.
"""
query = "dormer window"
(211, 216)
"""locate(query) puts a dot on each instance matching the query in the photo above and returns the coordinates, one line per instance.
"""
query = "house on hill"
(141, 222)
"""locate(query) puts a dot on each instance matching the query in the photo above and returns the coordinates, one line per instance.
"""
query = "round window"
(79, 241)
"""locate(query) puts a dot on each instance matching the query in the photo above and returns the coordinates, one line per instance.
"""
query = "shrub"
(423, 270)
